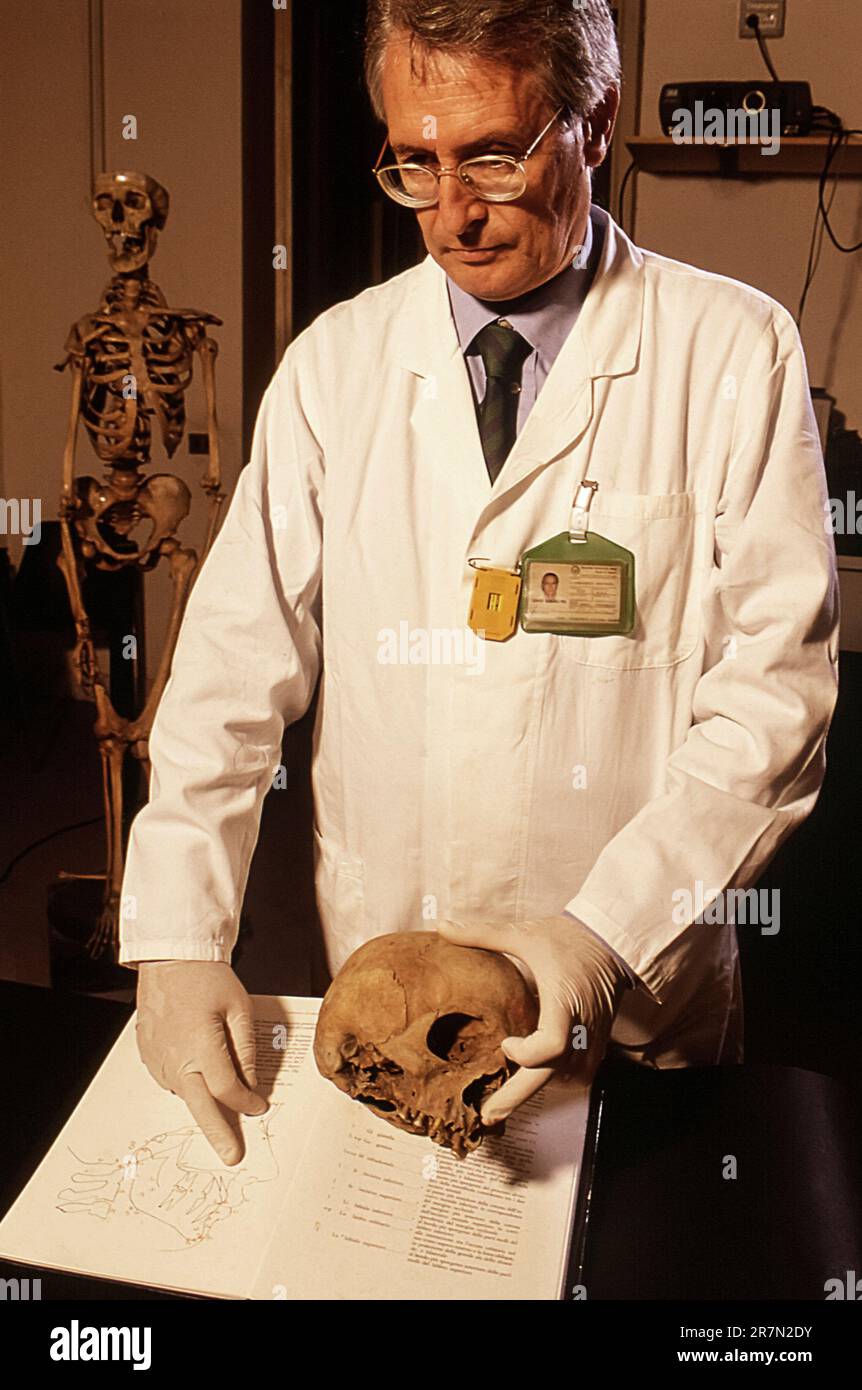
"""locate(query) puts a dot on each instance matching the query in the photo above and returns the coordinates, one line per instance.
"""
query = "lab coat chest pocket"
(660, 531)
(339, 880)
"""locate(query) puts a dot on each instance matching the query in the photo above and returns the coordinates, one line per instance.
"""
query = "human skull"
(411, 1027)
(131, 209)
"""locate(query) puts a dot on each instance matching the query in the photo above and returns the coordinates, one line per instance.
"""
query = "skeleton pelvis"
(109, 516)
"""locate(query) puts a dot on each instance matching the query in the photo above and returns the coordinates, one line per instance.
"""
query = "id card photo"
(566, 594)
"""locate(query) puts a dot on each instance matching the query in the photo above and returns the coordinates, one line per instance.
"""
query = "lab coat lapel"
(559, 418)
(604, 342)
(443, 420)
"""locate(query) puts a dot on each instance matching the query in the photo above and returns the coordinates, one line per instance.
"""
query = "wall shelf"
(797, 155)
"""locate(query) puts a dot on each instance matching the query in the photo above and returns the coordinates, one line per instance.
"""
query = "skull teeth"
(461, 1135)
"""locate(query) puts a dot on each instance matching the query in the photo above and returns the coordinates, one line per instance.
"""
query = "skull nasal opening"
(452, 1037)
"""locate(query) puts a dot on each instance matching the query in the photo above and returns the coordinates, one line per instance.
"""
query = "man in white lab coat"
(571, 800)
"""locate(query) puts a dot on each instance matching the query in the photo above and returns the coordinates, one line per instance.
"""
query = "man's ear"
(598, 127)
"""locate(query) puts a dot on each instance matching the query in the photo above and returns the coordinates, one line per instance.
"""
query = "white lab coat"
(603, 775)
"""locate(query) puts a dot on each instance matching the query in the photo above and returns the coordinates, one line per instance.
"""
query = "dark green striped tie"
(504, 353)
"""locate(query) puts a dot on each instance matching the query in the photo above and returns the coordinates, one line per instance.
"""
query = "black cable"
(836, 140)
(64, 830)
(622, 193)
(815, 249)
(823, 119)
(753, 22)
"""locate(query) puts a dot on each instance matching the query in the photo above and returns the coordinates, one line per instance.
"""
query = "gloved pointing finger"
(188, 1013)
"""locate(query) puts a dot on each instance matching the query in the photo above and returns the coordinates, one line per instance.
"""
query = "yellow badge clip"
(494, 602)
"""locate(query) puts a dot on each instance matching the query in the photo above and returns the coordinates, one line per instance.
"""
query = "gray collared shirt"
(545, 317)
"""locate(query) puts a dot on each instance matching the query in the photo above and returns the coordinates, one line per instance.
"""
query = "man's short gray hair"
(570, 44)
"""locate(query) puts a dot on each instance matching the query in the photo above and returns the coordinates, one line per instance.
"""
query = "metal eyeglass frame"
(457, 172)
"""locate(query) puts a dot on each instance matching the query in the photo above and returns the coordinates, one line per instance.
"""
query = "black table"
(662, 1221)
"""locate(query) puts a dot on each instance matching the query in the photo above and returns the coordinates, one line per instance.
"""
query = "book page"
(382, 1214)
(131, 1190)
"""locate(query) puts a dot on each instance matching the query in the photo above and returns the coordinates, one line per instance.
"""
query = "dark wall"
(258, 207)
(347, 234)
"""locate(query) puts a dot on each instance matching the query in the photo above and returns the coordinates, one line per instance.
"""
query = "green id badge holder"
(578, 584)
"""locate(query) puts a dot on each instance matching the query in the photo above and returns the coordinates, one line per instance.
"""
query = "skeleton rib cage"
(127, 381)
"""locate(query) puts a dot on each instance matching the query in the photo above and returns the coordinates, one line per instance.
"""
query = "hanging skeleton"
(132, 363)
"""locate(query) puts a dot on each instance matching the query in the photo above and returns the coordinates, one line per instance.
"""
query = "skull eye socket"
(455, 1037)
(135, 200)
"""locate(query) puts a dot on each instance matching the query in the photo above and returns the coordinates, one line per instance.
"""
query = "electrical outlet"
(771, 14)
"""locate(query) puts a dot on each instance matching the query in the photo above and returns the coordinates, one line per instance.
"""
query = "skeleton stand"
(131, 362)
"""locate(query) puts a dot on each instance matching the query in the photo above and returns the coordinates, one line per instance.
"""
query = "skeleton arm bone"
(67, 503)
(207, 349)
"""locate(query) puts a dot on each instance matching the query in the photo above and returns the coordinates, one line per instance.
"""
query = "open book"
(329, 1201)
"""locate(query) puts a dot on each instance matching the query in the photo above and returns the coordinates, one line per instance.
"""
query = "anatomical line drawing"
(174, 1181)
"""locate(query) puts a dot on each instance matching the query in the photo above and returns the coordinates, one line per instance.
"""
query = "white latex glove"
(188, 1013)
(579, 982)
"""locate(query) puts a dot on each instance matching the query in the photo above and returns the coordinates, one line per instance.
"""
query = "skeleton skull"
(131, 209)
(411, 1027)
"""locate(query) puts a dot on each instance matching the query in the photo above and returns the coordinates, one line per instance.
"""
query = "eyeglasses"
(497, 178)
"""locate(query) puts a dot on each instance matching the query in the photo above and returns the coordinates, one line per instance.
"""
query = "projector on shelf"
(737, 108)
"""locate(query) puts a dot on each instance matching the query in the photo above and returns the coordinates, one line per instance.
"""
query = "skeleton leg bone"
(86, 664)
(112, 751)
(116, 735)
(182, 564)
